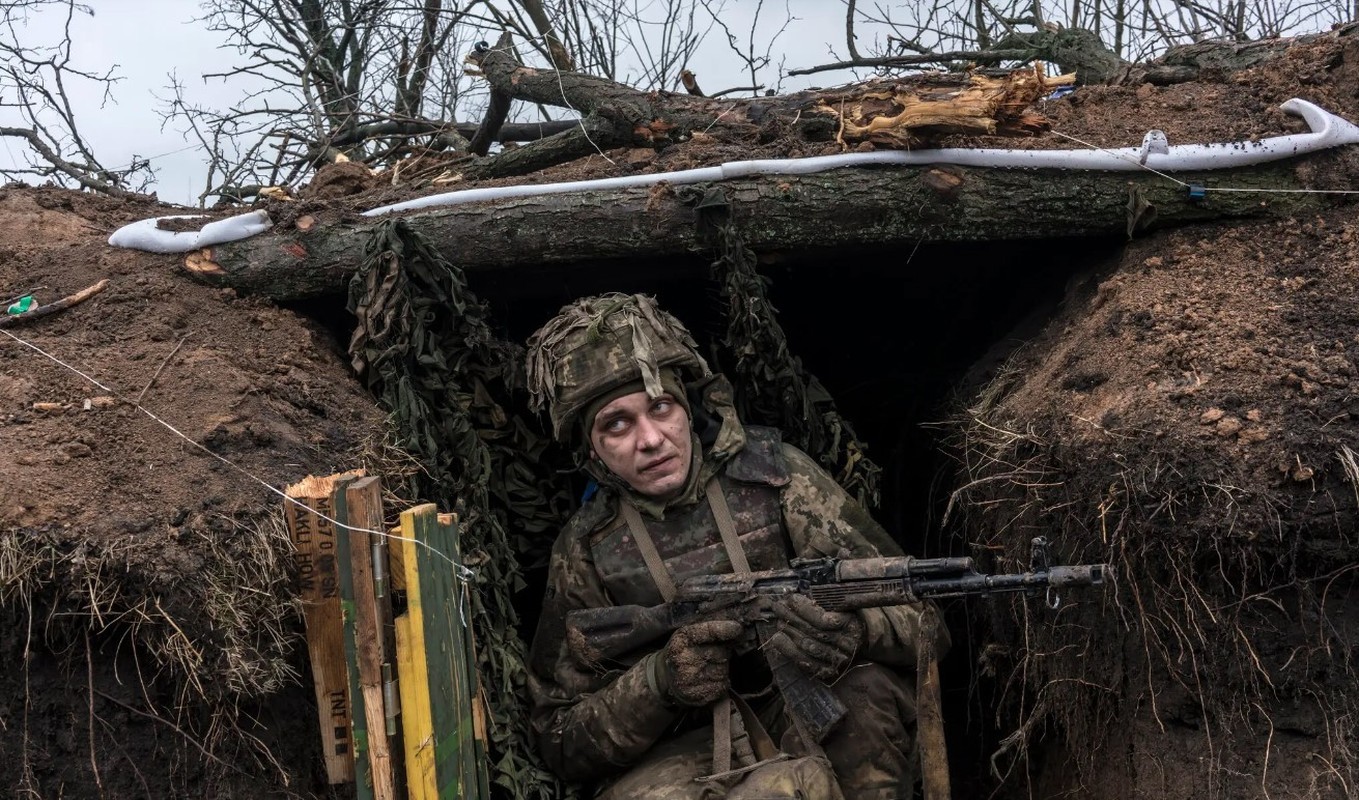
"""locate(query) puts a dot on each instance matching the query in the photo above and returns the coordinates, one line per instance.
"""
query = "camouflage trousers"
(872, 750)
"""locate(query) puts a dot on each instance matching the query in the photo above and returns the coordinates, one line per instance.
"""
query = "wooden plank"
(434, 596)
(416, 724)
(364, 502)
(419, 759)
(472, 727)
(313, 539)
(446, 621)
(477, 698)
(363, 786)
(396, 562)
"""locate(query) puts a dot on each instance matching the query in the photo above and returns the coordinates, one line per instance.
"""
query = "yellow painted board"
(416, 731)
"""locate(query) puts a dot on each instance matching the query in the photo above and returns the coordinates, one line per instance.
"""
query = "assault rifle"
(836, 584)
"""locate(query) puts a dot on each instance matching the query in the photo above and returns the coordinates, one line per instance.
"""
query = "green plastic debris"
(21, 305)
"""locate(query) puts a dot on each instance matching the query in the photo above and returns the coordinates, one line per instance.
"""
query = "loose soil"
(130, 542)
(1189, 418)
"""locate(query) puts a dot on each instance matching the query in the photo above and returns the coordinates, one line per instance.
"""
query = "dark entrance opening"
(900, 338)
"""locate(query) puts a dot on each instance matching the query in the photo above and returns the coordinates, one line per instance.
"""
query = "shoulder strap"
(727, 526)
(665, 583)
(650, 556)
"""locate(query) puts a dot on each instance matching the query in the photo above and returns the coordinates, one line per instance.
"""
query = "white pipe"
(144, 235)
(1327, 131)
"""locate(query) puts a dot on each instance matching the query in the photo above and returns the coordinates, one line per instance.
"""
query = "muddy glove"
(694, 669)
(821, 643)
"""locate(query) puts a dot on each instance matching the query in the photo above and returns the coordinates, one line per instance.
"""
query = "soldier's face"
(644, 441)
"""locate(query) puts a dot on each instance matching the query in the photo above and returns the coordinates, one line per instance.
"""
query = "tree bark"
(1215, 60)
(881, 209)
(903, 113)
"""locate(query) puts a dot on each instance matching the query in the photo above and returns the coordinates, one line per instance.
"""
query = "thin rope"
(1281, 191)
(462, 572)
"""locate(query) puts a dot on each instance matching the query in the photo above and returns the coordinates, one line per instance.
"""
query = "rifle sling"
(654, 564)
(760, 741)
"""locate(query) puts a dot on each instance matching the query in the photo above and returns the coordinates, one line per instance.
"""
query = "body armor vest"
(688, 539)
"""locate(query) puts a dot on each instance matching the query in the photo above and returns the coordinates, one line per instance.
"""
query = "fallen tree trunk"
(899, 113)
(1216, 59)
(849, 208)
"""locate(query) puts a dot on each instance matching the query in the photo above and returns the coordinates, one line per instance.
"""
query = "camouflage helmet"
(598, 344)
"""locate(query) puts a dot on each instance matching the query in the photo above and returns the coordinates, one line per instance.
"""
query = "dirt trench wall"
(148, 625)
(1191, 420)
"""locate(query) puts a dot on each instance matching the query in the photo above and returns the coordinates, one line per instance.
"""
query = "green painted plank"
(463, 667)
(363, 782)
(439, 609)
(481, 782)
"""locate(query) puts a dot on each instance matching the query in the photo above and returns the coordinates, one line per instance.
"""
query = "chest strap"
(717, 501)
(650, 556)
(759, 745)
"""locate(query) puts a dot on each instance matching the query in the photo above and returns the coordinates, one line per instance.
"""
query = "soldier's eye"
(662, 406)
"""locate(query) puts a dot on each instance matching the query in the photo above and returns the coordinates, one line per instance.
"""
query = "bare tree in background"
(1093, 34)
(755, 52)
(376, 81)
(365, 81)
(379, 81)
(35, 84)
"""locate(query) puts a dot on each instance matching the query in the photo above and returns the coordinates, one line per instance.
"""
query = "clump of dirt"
(1189, 420)
(150, 622)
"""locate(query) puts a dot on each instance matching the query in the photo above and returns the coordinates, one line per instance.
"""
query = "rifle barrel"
(979, 583)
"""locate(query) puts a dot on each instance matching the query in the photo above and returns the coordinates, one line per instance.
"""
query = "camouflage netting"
(453, 389)
(772, 387)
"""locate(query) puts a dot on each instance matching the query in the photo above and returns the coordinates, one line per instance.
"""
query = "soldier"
(684, 489)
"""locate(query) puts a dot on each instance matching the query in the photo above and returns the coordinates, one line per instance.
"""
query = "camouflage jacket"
(592, 723)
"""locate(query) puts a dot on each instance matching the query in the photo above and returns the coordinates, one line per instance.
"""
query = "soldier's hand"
(822, 643)
(694, 669)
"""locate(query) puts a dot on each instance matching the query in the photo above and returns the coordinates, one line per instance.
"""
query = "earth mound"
(148, 616)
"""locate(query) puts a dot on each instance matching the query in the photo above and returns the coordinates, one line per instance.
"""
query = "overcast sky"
(147, 40)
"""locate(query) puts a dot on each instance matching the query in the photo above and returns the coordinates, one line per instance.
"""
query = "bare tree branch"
(34, 84)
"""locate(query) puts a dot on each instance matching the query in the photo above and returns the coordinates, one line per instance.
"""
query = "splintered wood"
(902, 113)
(310, 524)
(400, 704)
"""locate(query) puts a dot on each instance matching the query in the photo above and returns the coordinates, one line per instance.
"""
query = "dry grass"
(213, 636)
(1215, 621)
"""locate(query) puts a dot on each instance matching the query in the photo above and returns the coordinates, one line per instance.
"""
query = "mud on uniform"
(611, 727)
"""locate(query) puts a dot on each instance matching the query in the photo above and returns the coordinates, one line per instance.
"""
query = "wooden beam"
(445, 761)
(372, 614)
(363, 783)
(314, 543)
(475, 775)
(416, 729)
(888, 209)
